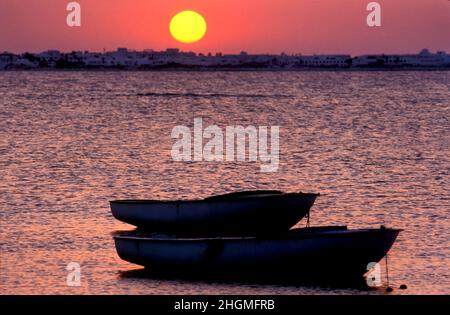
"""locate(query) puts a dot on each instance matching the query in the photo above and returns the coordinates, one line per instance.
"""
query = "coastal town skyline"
(124, 58)
(187, 49)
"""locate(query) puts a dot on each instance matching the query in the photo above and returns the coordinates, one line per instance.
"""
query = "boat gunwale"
(288, 236)
(214, 199)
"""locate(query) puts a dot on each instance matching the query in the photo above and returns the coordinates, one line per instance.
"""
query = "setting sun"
(188, 27)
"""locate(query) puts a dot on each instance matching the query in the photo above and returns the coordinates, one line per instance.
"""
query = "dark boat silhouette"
(241, 213)
(323, 253)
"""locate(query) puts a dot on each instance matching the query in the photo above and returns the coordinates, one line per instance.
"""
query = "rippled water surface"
(375, 144)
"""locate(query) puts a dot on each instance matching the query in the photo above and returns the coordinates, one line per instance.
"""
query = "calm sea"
(376, 145)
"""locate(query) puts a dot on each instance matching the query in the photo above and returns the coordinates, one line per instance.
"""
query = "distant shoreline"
(224, 69)
(175, 60)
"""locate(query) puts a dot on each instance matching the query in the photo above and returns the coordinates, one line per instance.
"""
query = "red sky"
(256, 26)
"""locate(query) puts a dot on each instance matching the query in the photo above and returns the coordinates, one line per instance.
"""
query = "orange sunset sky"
(256, 26)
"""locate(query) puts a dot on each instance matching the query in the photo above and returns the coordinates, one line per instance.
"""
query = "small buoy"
(403, 287)
(389, 289)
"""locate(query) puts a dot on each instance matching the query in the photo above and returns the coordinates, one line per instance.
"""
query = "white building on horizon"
(423, 59)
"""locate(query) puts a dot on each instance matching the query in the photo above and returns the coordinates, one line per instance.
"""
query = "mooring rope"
(388, 288)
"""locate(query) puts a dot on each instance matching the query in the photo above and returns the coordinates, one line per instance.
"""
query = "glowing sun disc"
(188, 27)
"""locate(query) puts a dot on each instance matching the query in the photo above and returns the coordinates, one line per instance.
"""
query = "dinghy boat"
(308, 253)
(245, 213)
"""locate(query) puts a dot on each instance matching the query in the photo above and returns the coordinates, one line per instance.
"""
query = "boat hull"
(315, 254)
(220, 216)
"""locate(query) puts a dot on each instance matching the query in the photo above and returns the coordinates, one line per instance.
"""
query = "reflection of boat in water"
(310, 253)
(242, 213)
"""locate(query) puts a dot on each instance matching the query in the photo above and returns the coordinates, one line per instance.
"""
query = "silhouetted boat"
(239, 214)
(310, 253)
